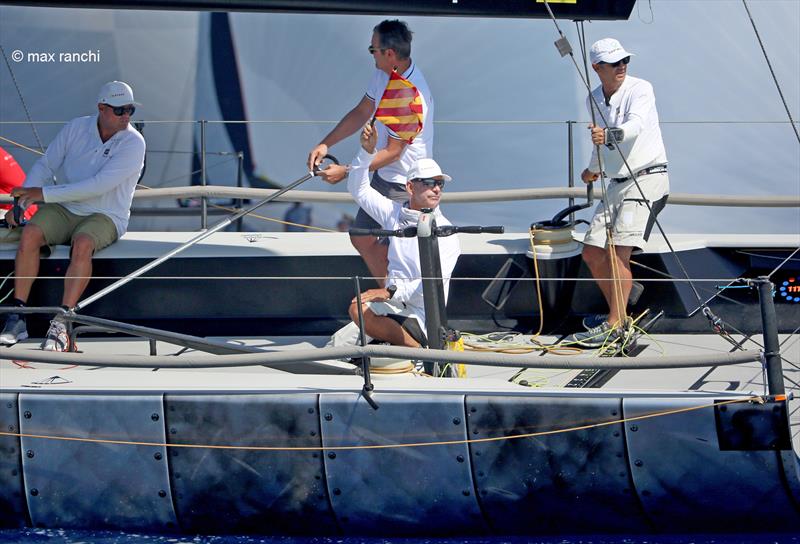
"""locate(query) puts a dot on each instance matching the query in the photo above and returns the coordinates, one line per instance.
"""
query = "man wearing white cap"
(632, 131)
(101, 157)
(396, 313)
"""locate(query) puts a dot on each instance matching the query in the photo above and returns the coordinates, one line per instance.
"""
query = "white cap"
(116, 93)
(607, 50)
(426, 168)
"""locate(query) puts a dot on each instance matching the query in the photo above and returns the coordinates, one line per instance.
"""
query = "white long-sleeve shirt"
(633, 109)
(99, 177)
(404, 268)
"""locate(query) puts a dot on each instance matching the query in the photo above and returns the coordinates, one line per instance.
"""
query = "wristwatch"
(392, 289)
(613, 136)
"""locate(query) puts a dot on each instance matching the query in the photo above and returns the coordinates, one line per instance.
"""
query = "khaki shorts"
(60, 226)
(629, 216)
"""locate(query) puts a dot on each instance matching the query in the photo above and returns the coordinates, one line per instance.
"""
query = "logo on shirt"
(106, 152)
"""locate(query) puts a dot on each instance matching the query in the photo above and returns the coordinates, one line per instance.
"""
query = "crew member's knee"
(363, 243)
(593, 255)
(31, 240)
(353, 311)
(82, 248)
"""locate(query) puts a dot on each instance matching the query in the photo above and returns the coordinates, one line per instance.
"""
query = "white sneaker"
(14, 330)
(57, 338)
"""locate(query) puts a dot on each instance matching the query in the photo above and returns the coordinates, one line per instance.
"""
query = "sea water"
(60, 536)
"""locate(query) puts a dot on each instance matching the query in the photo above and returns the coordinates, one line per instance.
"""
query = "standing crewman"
(391, 51)
(628, 105)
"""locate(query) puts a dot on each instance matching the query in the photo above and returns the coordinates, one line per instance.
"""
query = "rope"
(771, 71)
(786, 260)
(22, 99)
(351, 447)
(25, 147)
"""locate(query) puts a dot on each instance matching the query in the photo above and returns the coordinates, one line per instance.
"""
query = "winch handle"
(447, 230)
(557, 218)
(319, 167)
(408, 232)
(17, 211)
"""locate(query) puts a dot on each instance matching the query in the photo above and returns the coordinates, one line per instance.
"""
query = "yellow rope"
(25, 147)
(538, 285)
(389, 446)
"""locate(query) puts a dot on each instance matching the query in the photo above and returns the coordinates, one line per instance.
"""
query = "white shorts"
(630, 218)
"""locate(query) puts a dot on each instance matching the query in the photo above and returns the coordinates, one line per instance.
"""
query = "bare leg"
(383, 328)
(375, 254)
(26, 265)
(80, 269)
(599, 262)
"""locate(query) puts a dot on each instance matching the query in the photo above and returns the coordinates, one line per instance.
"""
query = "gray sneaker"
(596, 337)
(14, 330)
(56, 338)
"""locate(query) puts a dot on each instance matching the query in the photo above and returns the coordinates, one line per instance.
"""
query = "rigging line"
(771, 71)
(624, 160)
(22, 99)
(349, 447)
(787, 259)
(790, 337)
(23, 146)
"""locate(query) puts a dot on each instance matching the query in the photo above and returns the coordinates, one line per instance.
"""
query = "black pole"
(239, 172)
(432, 285)
(362, 338)
(772, 349)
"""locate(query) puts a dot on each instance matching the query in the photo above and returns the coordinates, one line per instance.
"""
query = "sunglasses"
(119, 111)
(372, 49)
(620, 62)
(431, 182)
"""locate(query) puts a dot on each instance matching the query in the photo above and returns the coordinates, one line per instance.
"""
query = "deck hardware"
(34, 492)
(29, 454)
(368, 388)
(27, 414)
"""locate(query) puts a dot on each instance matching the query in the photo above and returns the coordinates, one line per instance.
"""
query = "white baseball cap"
(116, 93)
(426, 168)
(607, 50)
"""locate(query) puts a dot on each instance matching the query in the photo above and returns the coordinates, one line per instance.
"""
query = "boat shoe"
(14, 330)
(592, 321)
(599, 336)
(56, 338)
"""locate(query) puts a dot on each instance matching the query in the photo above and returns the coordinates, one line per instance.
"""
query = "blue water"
(59, 536)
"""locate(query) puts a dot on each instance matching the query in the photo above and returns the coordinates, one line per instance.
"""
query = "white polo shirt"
(422, 146)
(633, 109)
(404, 269)
(98, 177)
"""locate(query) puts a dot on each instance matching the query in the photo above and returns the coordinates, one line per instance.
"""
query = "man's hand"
(369, 138)
(598, 135)
(27, 195)
(316, 156)
(334, 173)
(374, 295)
(588, 176)
(9, 217)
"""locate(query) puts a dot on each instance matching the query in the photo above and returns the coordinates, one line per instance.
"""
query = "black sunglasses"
(430, 182)
(119, 111)
(620, 62)
(372, 49)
